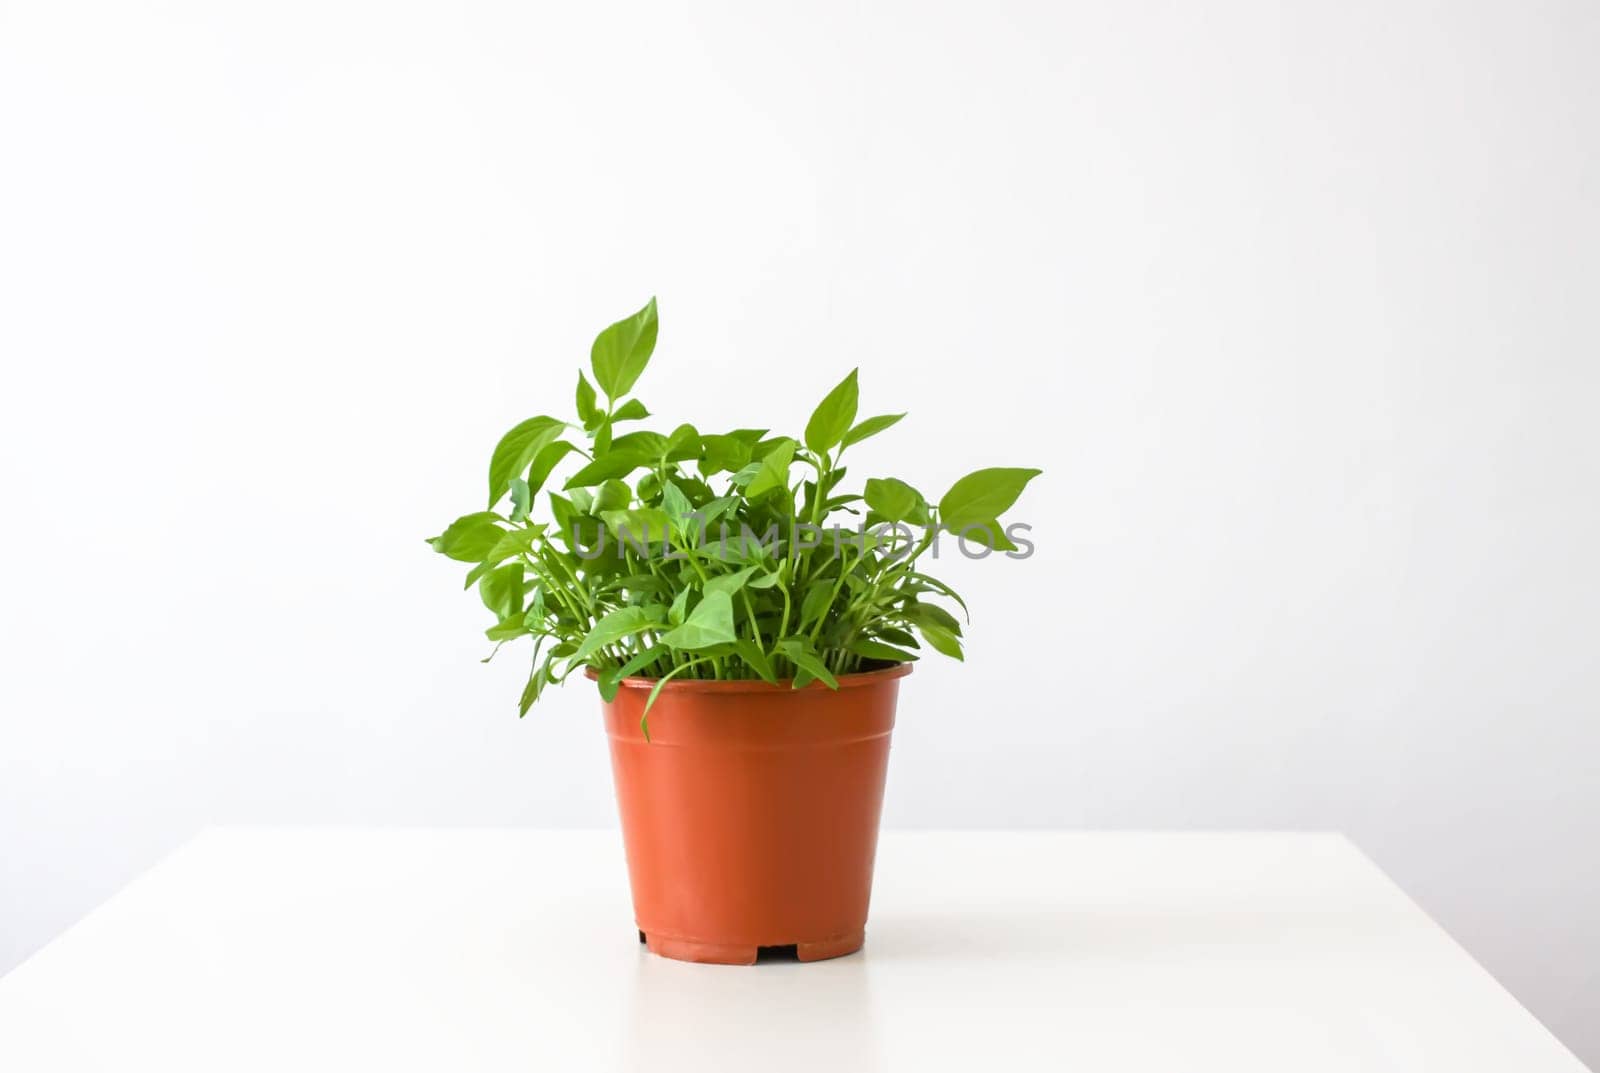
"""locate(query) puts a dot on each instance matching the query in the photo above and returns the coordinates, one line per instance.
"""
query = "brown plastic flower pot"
(750, 817)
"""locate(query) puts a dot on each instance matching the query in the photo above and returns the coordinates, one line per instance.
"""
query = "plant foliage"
(685, 554)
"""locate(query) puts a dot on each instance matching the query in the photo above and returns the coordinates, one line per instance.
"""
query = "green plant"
(644, 567)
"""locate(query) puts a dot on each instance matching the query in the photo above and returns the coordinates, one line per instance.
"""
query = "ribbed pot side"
(750, 817)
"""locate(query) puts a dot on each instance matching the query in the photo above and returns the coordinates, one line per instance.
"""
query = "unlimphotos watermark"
(896, 540)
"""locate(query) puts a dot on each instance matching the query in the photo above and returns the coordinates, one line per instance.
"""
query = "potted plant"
(747, 622)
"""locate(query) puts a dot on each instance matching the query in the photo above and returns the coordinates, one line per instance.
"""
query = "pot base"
(735, 954)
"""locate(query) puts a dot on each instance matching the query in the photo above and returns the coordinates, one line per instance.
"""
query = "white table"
(290, 950)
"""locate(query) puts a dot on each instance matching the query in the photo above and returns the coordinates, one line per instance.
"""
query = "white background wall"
(1294, 304)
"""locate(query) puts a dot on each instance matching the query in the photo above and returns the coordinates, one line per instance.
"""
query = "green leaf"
(600, 552)
(649, 445)
(470, 537)
(933, 613)
(798, 649)
(723, 454)
(536, 609)
(710, 623)
(632, 410)
(933, 584)
(545, 461)
(816, 603)
(621, 352)
(680, 606)
(511, 542)
(981, 497)
(516, 450)
(940, 639)
(616, 464)
(729, 583)
(894, 635)
(588, 412)
(683, 444)
(712, 512)
(676, 504)
(870, 427)
(612, 495)
(619, 624)
(536, 683)
(502, 591)
(641, 583)
(895, 500)
(508, 630)
(610, 680)
(751, 653)
(477, 572)
(986, 535)
(774, 470)
(566, 512)
(521, 499)
(865, 646)
(642, 525)
(833, 416)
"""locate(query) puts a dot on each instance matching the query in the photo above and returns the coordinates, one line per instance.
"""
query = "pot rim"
(756, 685)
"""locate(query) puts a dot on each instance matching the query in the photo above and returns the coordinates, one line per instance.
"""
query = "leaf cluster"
(726, 555)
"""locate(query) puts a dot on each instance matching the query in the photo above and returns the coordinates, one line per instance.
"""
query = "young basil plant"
(729, 555)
